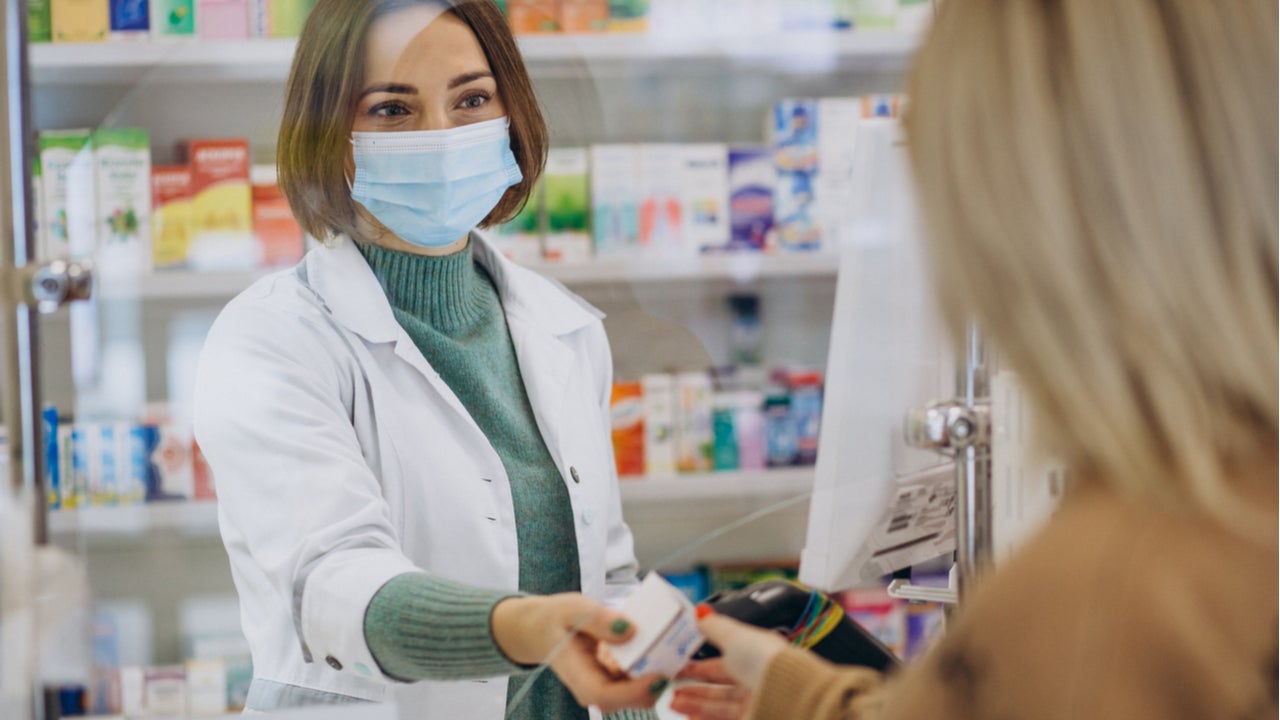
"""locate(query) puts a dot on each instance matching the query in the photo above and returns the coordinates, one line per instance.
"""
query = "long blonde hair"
(1099, 185)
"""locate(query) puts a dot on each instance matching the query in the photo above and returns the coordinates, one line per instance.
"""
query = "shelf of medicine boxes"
(739, 268)
(200, 519)
(129, 63)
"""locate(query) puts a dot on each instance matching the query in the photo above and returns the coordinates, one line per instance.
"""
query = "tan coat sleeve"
(798, 684)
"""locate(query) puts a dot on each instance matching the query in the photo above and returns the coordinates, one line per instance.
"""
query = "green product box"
(628, 15)
(520, 239)
(173, 18)
(288, 16)
(67, 196)
(39, 21)
(122, 180)
(568, 203)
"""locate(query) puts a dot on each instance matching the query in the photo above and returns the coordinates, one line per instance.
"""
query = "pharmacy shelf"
(134, 523)
(195, 519)
(776, 483)
(737, 268)
(129, 63)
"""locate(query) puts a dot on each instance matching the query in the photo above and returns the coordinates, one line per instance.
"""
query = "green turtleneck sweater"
(423, 627)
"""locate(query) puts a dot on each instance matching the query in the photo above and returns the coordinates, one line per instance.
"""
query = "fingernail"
(657, 687)
(620, 626)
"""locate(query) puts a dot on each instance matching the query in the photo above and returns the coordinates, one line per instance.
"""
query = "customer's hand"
(527, 629)
(722, 687)
(712, 693)
(745, 650)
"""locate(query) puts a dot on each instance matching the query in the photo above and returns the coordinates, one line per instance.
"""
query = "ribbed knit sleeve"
(632, 715)
(799, 684)
(421, 627)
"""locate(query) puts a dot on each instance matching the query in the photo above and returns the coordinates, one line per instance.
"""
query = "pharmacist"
(410, 435)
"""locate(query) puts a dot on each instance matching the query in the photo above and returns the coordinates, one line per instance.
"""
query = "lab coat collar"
(345, 283)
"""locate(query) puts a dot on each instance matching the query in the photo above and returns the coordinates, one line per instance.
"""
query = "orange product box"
(584, 16)
(278, 234)
(533, 16)
(626, 411)
(221, 205)
(170, 215)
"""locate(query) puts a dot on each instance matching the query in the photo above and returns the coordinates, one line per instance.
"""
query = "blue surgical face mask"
(433, 187)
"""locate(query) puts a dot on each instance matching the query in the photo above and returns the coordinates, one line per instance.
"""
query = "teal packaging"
(724, 452)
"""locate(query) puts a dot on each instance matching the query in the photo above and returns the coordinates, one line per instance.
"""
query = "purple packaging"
(752, 180)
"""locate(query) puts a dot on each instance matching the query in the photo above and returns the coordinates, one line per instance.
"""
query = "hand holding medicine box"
(666, 630)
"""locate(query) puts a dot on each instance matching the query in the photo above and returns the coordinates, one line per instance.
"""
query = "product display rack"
(199, 519)
(738, 268)
(269, 60)
(665, 313)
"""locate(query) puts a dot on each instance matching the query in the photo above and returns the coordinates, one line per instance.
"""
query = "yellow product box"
(221, 205)
(80, 20)
(170, 216)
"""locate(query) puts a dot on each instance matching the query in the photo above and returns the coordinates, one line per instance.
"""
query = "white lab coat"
(342, 459)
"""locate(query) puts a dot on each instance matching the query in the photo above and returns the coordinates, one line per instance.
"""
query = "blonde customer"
(1099, 183)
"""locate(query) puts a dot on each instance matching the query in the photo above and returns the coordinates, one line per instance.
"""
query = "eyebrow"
(472, 76)
(390, 88)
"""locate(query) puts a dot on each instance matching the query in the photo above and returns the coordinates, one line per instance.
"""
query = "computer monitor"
(878, 505)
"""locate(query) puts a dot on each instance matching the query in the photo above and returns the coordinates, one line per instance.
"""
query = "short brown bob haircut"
(320, 103)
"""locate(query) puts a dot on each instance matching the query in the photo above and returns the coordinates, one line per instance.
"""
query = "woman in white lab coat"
(410, 434)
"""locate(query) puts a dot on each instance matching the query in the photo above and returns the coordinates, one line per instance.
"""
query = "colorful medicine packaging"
(567, 198)
(286, 17)
(615, 223)
(68, 203)
(221, 206)
(222, 19)
(521, 238)
(39, 21)
(666, 630)
(529, 17)
(704, 194)
(694, 438)
(278, 234)
(173, 19)
(661, 210)
(626, 417)
(122, 182)
(659, 393)
(130, 19)
(752, 180)
(794, 139)
(79, 20)
(584, 16)
(170, 216)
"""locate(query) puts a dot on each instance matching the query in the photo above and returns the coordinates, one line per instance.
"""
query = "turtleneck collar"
(448, 292)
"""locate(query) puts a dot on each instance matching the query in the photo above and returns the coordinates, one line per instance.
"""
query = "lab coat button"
(573, 472)
(333, 662)
(586, 517)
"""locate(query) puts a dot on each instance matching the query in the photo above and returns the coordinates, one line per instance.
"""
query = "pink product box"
(222, 19)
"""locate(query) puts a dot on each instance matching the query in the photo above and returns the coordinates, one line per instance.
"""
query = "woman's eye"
(388, 109)
(471, 102)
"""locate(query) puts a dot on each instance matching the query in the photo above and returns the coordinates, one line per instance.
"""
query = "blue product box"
(137, 462)
(75, 481)
(130, 16)
(794, 139)
(107, 489)
(752, 181)
(52, 476)
(692, 584)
